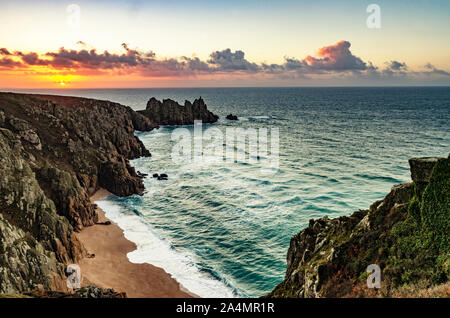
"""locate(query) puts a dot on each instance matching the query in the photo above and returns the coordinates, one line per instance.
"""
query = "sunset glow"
(237, 49)
(227, 154)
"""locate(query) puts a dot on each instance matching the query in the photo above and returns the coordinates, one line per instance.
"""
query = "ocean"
(223, 229)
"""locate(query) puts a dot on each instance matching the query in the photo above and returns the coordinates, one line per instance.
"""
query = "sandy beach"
(110, 268)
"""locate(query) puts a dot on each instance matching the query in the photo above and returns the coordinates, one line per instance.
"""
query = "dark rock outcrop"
(120, 178)
(232, 117)
(406, 234)
(169, 112)
(55, 152)
(421, 168)
(163, 176)
(35, 241)
(84, 292)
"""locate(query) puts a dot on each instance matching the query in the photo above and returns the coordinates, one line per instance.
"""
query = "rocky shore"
(55, 152)
(406, 234)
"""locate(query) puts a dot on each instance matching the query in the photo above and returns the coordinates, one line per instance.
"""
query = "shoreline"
(111, 268)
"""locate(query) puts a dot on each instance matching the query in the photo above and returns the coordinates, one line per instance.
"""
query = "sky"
(174, 43)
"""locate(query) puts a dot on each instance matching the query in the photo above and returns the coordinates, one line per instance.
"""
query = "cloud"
(195, 64)
(4, 51)
(9, 63)
(434, 70)
(336, 57)
(91, 59)
(392, 69)
(228, 61)
(396, 66)
(32, 59)
(330, 61)
(333, 58)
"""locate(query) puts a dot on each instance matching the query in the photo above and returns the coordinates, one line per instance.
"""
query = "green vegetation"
(406, 234)
(420, 252)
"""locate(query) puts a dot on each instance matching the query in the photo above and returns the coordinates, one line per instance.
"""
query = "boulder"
(232, 117)
(421, 168)
(32, 137)
(162, 178)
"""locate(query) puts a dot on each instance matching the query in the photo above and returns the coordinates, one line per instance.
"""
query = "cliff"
(406, 234)
(55, 152)
(169, 112)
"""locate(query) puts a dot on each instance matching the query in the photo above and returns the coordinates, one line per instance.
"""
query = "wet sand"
(110, 268)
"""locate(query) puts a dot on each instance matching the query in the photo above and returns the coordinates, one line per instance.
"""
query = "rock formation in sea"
(55, 152)
(232, 117)
(169, 112)
(406, 234)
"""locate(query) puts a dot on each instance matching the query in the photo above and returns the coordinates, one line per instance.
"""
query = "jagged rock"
(97, 292)
(55, 152)
(32, 137)
(169, 112)
(140, 122)
(232, 117)
(162, 176)
(120, 178)
(71, 200)
(406, 234)
(421, 168)
(83, 292)
(81, 133)
(34, 240)
(25, 132)
(143, 175)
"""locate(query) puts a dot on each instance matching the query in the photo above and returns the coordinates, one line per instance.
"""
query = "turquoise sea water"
(223, 229)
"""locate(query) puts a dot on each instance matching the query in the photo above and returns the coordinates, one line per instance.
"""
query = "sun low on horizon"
(248, 43)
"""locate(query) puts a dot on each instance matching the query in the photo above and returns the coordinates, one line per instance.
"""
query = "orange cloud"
(85, 65)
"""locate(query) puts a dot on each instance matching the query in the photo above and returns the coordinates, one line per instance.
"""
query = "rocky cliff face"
(169, 112)
(406, 234)
(55, 152)
(35, 241)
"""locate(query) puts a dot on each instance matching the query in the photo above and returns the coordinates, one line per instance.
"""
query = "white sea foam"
(157, 251)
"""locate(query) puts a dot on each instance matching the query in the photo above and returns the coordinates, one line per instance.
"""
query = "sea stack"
(169, 112)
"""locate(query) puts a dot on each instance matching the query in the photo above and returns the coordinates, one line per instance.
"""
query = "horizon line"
(2, 89)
